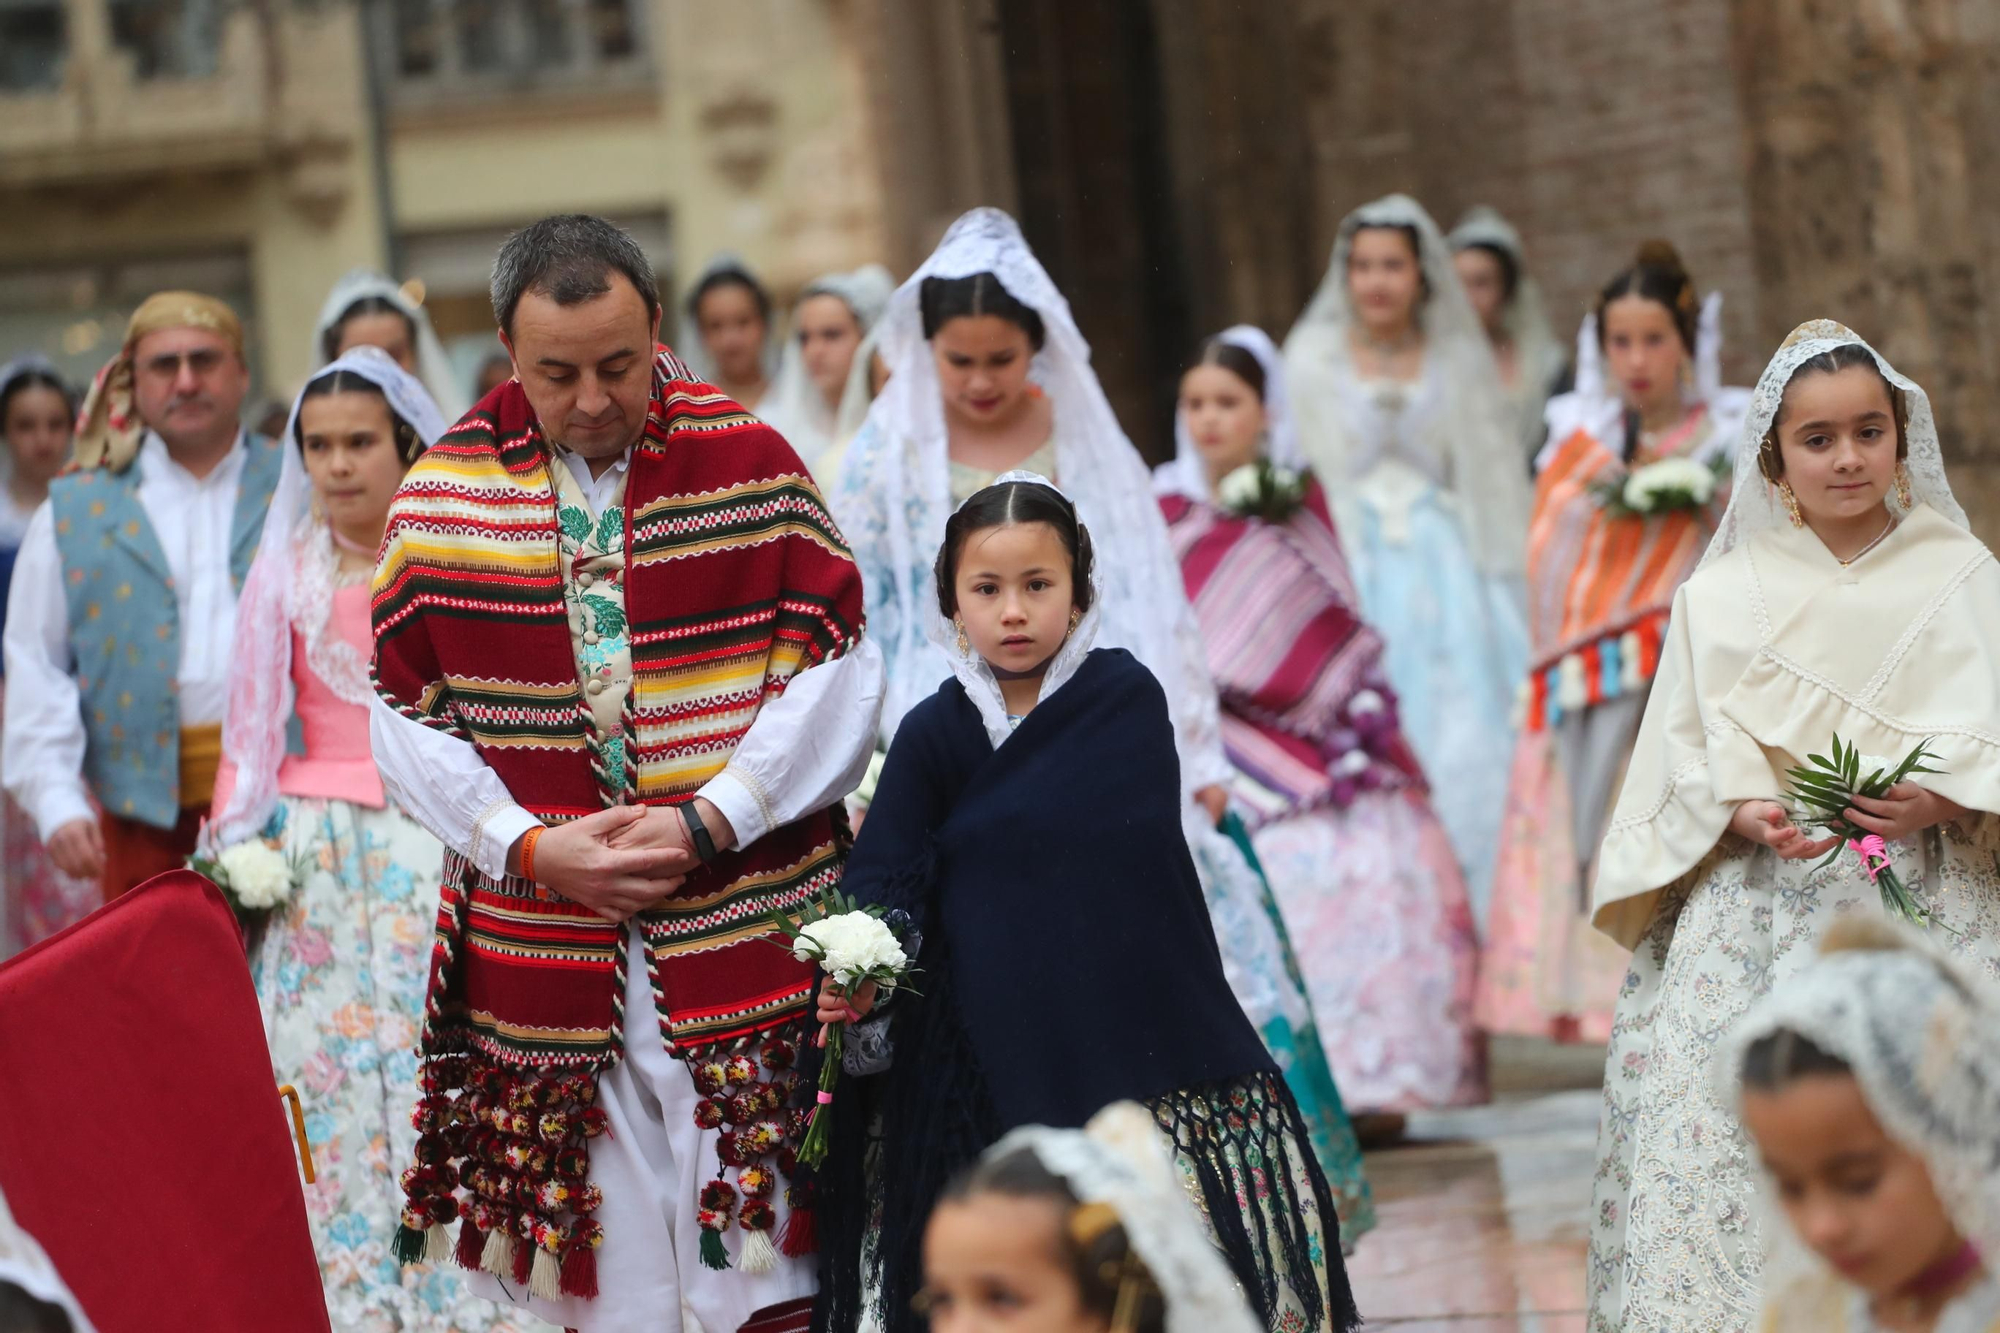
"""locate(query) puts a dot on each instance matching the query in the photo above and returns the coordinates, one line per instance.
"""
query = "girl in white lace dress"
(1402, 417)
(1841, 594)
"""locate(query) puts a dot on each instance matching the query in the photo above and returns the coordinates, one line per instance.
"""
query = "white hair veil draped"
(290, 587)
(1921, 1033)
(1472, 435)
(1539, 351)
(1144, 605)
(795, 407)
(1185, 474)
(1753, 502)
(434, 367)
(1121, 1160)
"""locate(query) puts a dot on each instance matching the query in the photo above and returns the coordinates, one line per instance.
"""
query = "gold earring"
(964, 648)
(1075, 619)
(1903, 496)
(1791, 504)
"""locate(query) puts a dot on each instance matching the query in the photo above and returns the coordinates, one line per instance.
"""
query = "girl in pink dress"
(342, 965)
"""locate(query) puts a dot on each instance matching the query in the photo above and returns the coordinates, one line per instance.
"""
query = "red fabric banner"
(142, 1140)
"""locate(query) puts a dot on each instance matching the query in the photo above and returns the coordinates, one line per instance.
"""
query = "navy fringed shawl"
(1084, 962)
(1068, 960)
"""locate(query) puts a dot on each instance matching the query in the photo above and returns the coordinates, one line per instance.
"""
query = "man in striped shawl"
(622, 677)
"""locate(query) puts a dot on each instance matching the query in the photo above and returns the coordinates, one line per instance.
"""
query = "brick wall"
(1592, 126)
(1808, 158)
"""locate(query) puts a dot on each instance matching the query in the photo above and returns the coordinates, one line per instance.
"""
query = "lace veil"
(795, 407)
(290, 587)
(1144, 603)
(1922, 1034)
(1121, 1160)
(1472, 434)
(1185, 473)
(434, 367)
(1527, 317)
(1754, 505)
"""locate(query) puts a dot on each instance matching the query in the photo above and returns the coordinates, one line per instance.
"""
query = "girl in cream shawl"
(1842, 593)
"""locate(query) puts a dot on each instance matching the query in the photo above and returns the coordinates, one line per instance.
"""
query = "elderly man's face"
(587, 368)
(189, 386)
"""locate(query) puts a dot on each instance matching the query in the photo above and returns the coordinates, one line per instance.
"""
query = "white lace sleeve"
(1197, 712)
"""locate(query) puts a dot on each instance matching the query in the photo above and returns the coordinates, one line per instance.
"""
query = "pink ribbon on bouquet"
(1869, 849)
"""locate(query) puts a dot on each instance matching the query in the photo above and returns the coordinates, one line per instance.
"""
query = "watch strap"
(704, 844)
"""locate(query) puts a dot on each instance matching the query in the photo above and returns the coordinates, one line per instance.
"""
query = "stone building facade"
(1179, 164)
(1806, 158)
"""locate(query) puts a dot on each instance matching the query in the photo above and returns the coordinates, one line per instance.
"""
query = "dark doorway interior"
(1096, 193)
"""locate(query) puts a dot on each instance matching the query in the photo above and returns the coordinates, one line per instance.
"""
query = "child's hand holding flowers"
(1902, 811)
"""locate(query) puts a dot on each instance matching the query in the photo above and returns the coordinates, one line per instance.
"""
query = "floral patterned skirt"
(1546, 971)
(36, 899)
(1264, 973)
(341, 973)
(1675, 1241)
(1377, 911)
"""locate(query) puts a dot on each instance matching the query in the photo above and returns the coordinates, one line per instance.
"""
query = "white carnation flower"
(1868, 765)
(1682, 476)
(258, 874)
(1239, 489)
(853, 945)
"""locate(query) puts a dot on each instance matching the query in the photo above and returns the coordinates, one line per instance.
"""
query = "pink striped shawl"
(1288, 653)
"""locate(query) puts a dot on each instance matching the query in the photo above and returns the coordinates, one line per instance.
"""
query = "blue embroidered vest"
(124, 629)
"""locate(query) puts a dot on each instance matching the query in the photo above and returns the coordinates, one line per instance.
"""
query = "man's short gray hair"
(568, 258)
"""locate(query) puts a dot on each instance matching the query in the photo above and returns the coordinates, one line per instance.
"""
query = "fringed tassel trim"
(1596, 672)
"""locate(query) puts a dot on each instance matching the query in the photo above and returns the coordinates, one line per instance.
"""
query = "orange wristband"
(528, 841)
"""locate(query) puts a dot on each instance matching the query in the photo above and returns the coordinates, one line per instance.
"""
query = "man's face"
(587, 368)
(189, 385)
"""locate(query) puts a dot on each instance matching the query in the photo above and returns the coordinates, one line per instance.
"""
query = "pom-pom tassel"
(713, 1253)
(1631, 671)
(1572, 691)
(498, 1257)
(801, 1234)
(410, 1244)
(545, 1280)
(437, 1244)
(579, 1272)
(759, 1254)
(471, 1244)
(524, 1262)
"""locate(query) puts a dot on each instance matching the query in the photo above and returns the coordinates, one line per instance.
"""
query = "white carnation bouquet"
(255, 876)
(1261, 490)
(853, 945)
(1663, 487)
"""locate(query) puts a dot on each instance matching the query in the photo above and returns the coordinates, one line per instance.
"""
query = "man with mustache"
(123, 605)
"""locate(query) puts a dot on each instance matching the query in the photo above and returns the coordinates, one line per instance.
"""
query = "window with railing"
(447, 45)
(34, 38)
(168, 39)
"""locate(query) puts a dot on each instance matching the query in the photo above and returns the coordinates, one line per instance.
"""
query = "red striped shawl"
(736, 580)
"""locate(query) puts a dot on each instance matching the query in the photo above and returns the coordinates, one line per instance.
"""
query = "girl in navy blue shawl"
(1028, 821)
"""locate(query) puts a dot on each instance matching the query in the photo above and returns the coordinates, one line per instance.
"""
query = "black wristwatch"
(704, 845)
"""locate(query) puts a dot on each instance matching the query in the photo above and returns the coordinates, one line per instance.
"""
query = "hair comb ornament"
(1821, 330)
